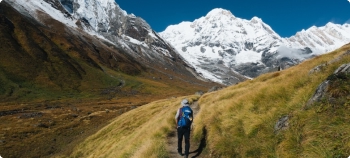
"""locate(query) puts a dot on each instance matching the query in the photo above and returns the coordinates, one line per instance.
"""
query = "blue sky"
(286, 17)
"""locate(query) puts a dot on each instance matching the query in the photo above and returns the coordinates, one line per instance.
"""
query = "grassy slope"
(139, 133)
(240, 120)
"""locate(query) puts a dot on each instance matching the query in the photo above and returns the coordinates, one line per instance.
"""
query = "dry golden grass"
(240, 119)
(141, 132)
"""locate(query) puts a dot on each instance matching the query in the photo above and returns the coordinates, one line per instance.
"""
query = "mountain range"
(228, 49)
(218, 47)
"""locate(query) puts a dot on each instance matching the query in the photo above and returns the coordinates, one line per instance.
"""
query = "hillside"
(45, 59)
(263, 117)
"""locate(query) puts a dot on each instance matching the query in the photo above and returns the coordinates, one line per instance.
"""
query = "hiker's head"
(184, 102)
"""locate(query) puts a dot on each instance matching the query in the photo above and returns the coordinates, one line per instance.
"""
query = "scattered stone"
(215, 88)
(184, 49)
(31, 115)
(107, 111)
(345, 68)
(41, 125)
(317, 69)
(200, 93)
(74, 108)
(202, 49)
(282, 124)
(52, 106)
(320, 67)
(51, 123)
(319, 94)
(74, 115)
(11, 112)
(339, 58)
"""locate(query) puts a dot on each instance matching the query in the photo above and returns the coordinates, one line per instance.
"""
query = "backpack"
(185, 117)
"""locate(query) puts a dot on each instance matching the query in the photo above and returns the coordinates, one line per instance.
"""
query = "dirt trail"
(195, 148)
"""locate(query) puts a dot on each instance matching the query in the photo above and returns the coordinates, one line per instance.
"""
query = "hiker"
(184, 118)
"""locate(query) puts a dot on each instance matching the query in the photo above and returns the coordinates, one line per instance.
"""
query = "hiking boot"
(180, 153)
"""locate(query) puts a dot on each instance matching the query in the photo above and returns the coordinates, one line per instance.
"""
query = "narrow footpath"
(195, 148)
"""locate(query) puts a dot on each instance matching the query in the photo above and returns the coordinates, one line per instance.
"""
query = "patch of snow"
(134, 41)
(208, 75)
(150, 33)
(162, 50)
(32, 7)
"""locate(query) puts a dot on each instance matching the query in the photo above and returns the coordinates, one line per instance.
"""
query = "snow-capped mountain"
(325, 38)
(105, 20)
(227, 49)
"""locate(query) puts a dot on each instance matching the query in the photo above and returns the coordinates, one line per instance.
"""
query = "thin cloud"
(335, 20)
(348, 21)
(292, 53)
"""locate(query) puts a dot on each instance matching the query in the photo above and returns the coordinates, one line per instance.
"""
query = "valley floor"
(44, 129)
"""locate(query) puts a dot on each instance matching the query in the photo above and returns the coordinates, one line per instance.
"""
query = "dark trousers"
(181, 133)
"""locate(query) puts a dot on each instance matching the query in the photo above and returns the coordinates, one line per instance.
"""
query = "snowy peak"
(219, 12)
(323, 39)
(219, 25)
(256, 20)
(220, 43)
(222, 39)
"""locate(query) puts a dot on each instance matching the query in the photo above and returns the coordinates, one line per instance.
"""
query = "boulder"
(319, 94)
(281, 124)
(321, 91)
(322, 66)
(345, 68)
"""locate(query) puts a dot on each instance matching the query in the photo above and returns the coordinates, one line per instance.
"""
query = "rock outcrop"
(323, 92)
